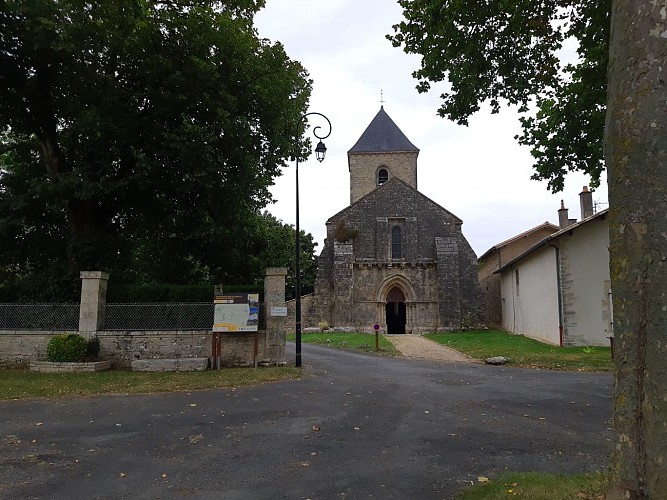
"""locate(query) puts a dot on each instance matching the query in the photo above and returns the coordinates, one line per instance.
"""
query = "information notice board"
(236, 312)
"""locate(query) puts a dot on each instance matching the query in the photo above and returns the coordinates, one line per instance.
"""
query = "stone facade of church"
(393, 257)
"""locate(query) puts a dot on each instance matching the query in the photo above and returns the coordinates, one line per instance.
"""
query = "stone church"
(393, 257)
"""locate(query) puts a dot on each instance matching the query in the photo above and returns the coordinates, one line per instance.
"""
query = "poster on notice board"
(236, 312)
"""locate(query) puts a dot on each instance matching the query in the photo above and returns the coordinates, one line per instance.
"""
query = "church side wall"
(469, 289)
(449, 281)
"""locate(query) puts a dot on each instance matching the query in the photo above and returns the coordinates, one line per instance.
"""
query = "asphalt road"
(355, 426)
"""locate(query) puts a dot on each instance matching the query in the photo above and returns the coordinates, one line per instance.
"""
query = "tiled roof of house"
(545, 225)
(600, 215)
(382, 135)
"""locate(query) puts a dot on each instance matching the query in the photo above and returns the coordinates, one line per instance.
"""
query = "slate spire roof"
(381, 136)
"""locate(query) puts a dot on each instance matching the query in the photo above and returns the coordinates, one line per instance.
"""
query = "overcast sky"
(479, 172)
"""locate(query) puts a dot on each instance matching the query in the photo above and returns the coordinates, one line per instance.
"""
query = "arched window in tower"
(383, 176)
(396, 250)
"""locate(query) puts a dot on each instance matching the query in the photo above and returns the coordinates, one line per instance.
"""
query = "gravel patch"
(415, 346)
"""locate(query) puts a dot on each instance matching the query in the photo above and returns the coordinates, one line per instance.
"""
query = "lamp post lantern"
(320, 152)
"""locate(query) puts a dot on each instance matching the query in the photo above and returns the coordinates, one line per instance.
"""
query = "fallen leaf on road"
(122, 474)
(195, 439)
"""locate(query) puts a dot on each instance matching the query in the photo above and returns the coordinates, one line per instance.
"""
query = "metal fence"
(143, 316)
(159, 316)
(164, 316)
(39, 317)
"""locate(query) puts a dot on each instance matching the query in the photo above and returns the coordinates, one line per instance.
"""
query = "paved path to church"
(416, 346)
(355, 426)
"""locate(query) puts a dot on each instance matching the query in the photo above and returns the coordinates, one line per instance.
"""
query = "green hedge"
(171, 293)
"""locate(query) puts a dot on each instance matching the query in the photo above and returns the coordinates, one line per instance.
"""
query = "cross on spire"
(382, 101)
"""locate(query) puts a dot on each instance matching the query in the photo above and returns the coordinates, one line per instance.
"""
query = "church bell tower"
(381, 153)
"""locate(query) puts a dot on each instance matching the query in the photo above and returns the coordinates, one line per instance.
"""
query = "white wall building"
(558, 291)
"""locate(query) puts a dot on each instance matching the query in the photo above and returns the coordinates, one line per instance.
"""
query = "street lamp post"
(320, 152)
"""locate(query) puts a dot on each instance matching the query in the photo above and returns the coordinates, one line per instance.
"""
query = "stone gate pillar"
(93, 300)
(274, 296)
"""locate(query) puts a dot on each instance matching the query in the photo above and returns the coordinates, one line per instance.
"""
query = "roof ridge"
(395, 180)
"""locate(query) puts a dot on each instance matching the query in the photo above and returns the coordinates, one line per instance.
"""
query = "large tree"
(636, 153)
(139, 128)
(507, 51)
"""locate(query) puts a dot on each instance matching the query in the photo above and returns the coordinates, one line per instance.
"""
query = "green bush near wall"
(67, 348)
(171, 293)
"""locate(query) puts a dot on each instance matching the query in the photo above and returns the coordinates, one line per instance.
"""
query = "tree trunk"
(635, 152)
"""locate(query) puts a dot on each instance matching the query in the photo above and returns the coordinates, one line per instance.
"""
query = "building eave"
(546, 241)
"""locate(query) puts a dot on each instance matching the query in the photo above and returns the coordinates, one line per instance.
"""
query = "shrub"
(67, 347)
(344, 233)
(93, 348)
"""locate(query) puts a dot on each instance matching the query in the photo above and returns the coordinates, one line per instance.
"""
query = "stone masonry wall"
(121, 348)
(350, 274)
(364, 168)
(449, 280)
(18, 348)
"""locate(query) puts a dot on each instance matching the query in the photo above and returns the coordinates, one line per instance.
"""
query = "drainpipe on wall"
(558, 291)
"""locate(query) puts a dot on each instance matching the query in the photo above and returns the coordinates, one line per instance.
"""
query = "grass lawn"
(535, 486)
(364, 342)
(526, 352)
(20, 384)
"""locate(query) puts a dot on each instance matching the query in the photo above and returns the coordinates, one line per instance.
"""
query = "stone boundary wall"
(19, 348)
(53, 367)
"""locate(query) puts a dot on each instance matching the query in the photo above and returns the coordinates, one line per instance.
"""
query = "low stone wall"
(170, 365)
(121, 348)
(53, 367)
(19, 348)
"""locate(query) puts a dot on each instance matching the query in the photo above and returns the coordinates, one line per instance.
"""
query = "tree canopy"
(508, 51)
(140, 138)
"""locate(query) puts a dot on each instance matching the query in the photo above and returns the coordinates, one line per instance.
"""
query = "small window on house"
(396, 252)
(383, 176)
(516, 275)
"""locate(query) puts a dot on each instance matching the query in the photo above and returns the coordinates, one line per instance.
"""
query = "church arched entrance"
(395, 312)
